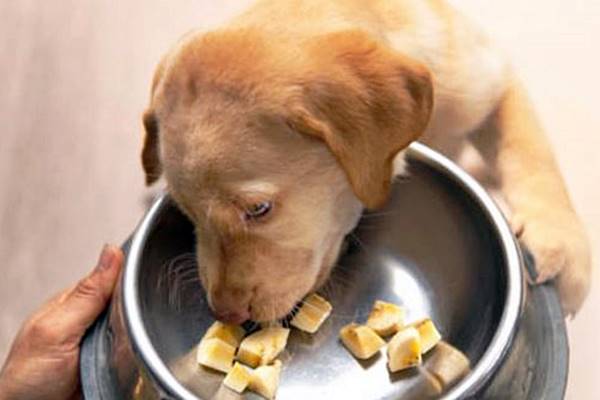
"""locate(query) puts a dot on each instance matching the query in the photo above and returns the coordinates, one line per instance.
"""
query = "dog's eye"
(259, 210)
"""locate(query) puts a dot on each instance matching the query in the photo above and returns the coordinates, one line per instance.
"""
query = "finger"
(80, 306)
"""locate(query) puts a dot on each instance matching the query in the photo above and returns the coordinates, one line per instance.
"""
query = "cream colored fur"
(245, 114)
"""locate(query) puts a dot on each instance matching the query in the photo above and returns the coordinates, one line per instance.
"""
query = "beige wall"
(75, 79)
(554, 45)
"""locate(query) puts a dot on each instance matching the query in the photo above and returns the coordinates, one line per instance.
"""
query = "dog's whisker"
(178, 273)
(175, 266)
(189, 282)
(172, 268)
(188, 272)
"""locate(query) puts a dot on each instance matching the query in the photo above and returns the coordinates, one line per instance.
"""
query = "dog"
(275, 131)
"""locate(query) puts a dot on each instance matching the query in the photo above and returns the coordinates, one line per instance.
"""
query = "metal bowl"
(441, 248)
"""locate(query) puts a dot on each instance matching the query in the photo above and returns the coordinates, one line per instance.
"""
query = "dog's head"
(272, 148)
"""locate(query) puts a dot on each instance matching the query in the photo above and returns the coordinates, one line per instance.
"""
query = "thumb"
(81, 305)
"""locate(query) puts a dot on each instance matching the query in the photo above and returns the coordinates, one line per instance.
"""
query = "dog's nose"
(233, 317)
(229, 305)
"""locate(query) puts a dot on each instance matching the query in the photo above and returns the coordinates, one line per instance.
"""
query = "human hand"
(43, 363)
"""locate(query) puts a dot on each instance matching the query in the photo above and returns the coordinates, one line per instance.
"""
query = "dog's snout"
(230, 305)
(234, 318)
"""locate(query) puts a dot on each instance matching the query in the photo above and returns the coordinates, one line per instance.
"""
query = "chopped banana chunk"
(386, 318)
(231, 334)
(263, 346)
(447, 364)
(404, 350)
(429, 334)
(238, 378)
(216, 354)
(361, 340)
(265, 380)
(313, 312)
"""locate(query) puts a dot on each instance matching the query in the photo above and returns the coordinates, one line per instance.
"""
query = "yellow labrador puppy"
(275, 131)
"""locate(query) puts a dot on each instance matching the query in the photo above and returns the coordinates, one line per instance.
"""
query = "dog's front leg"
(514, 144)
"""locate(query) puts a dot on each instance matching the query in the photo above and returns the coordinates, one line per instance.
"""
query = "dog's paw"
(561, 252)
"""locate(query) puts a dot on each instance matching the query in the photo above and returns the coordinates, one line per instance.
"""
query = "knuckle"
(41, 331)
(88, 288)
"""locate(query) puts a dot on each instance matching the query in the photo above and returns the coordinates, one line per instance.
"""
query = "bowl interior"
(431, 249)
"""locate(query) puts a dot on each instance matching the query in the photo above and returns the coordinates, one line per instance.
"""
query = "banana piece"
(313, 312)
(231, 334)
(216, 354)
(386, 318)
(263, 346)
(404, 350)
(238, 378)
(361, 340)
(447, 364)
(429, 334)
(265, 380)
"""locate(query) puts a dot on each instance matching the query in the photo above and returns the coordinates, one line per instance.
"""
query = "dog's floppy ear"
(366, 102)
(150, 150)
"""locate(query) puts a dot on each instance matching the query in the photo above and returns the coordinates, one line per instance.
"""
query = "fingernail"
(106, 258)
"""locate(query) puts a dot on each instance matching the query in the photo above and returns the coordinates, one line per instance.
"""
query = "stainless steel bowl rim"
(481, 372)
